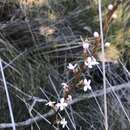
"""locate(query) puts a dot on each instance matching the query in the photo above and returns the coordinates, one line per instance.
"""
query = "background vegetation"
(38, 38)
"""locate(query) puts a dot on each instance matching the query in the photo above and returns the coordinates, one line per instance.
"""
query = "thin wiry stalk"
(10, 66)
(118, 99)
(25, 94)
(72, 114)
(124, 67)
(31, 115)
(13, 60)
(44, 94)
(112, 89)
(53, 85)
(103, 66)
(39, 114)
(7, 95)
(82, 118)
(70, 119)
(97, 93)
(96, 101)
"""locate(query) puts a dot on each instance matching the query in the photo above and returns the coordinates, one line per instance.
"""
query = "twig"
(8, 97)
(103, 66)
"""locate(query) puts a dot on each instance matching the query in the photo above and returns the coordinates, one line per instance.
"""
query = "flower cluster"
(88, 62)
(60, 106)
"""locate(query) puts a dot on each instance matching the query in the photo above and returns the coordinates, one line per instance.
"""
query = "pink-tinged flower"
(65, 86)
(71, 67)
(87, 85)
(96, 34)
(85, 45)
(110, 7)
(69, 98)
(62, 104)
(90, 62)
(63, 122)
(50, 104)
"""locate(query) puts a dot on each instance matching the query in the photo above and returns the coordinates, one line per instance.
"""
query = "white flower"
(110, 7)
(85, 45)
(114, 16)
(62, 104)
(71, 67)
(107, 44)
(69, 98)
(63, 122)
(90, 62)
(65, 86)
(96, 34)
(50, 104)
(87, 85)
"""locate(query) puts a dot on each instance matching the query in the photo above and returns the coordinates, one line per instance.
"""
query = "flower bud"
(96, 34)
(110, 7)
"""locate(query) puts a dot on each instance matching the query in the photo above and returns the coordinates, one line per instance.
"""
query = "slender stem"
(8, 97)
(103, 66)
